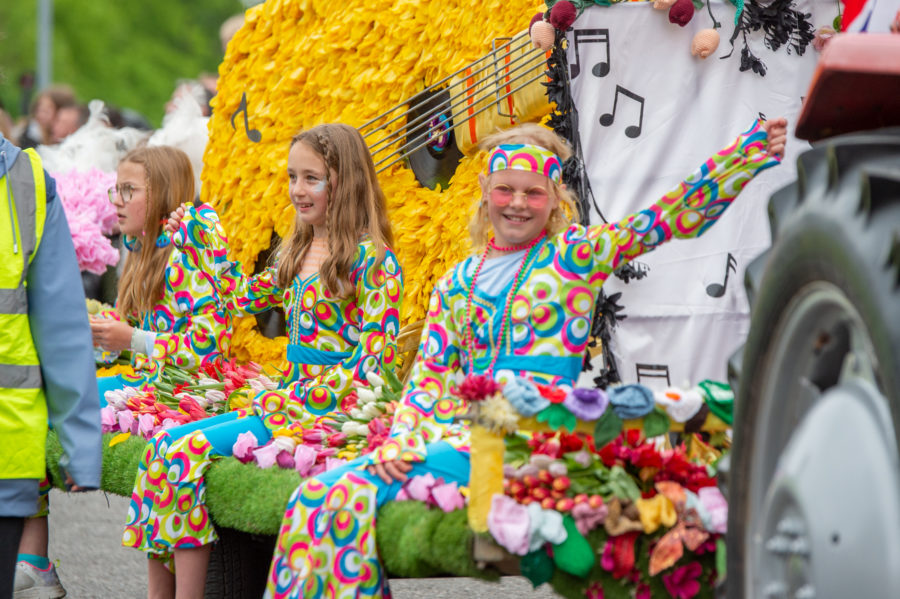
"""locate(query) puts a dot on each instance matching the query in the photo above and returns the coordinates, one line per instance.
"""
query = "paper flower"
(680, 405)
(682, 583)
(477, 387)
(655, 512)
(509, 523)
(586, 404)
(587, 517)
(90, 216)
(419, 487)
(630, 401)
(545, 526)
(448, 497)
(716, 508)
(497, 415)
(267, 455)
(524, 396)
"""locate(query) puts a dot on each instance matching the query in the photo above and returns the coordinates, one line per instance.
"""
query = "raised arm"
(695, 204)
(198, 234)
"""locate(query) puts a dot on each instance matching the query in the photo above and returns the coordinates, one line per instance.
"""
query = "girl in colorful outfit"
(167, 311)
(522, 307)
(341, 287)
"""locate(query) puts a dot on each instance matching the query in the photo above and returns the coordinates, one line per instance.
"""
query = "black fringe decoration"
(564, 121)
(781, 24)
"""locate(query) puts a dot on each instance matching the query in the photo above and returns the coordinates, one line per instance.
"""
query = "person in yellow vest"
(46, 355)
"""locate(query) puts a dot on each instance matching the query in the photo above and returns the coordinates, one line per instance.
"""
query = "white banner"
(649, 114)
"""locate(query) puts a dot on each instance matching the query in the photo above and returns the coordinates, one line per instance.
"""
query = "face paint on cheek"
(318, 187)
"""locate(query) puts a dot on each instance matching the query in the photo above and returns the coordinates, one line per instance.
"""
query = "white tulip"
(364, 396)
(374, 379)
(285, 443)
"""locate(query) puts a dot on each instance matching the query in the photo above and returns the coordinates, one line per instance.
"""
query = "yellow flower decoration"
(305, 62)
(656, 511)
(116, 369)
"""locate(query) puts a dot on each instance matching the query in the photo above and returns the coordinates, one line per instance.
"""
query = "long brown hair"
(170, 183)
(356, 205)
(528, 133)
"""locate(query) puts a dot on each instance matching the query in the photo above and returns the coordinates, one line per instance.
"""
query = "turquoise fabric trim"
(568, 367)
(302, 354)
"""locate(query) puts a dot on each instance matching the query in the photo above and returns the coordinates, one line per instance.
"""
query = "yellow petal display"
(305, 62)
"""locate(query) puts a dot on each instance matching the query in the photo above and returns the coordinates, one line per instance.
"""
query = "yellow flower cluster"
(298, 63)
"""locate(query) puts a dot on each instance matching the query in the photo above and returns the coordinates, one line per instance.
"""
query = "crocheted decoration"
(537, 17)
(562, 15)
(663, 4)
(543, 35)
(705, 43)
(681, 12)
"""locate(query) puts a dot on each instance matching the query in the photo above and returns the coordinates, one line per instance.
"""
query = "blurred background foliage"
(129, 54)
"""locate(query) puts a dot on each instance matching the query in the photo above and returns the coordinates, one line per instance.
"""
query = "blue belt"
(303, 354)
(568, 367)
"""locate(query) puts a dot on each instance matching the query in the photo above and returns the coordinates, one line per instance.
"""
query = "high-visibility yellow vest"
(23, 409)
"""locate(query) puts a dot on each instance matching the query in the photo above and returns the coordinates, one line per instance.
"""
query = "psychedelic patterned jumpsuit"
(326, 546)
(333, 343)
(188, 327)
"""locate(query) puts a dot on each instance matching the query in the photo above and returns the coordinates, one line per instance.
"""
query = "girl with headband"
(519, 311)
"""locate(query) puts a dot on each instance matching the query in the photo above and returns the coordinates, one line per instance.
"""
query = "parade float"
(614, 492)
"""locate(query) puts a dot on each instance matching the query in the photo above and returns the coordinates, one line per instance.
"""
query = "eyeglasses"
(502, 195)
(125, 192)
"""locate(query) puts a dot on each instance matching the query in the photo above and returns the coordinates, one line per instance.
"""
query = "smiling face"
(133, 214)
(525, 215)
(308, 187)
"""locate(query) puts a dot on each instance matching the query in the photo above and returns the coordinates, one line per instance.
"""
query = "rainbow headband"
(525, 157)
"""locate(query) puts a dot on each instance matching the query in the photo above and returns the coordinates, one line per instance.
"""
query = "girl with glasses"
(167, 311)
(341, 287)
(520, 308)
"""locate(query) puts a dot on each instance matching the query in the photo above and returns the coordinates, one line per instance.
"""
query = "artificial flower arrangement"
(90, 215)
(587, 502)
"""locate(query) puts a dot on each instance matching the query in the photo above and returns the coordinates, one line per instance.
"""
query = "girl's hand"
(391, 471)
(174, 220)
(776, 129)
(110, 334)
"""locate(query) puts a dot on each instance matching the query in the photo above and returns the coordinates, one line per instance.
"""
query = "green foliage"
(127, 53)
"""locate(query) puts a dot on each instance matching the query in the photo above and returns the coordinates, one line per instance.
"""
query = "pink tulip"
(304, 459)
(107, 419)
(244, 446)
(266, 455)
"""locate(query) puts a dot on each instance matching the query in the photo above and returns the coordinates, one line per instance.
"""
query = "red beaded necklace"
(469, 327)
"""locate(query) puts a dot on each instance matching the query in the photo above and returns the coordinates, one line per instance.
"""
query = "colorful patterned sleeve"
(198, 334)
(428, 406)
(689, 209)
(379, 294)
(201, 238)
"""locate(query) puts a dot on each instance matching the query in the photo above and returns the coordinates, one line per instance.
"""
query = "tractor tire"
(239, 565)
(814, 475)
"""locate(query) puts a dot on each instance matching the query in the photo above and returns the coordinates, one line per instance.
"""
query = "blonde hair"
(356, 205)
(529, 133)
(170, 183)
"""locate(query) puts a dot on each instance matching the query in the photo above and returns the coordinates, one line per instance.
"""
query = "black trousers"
(10, 534)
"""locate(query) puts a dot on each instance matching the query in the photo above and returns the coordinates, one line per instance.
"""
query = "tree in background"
(129, 54)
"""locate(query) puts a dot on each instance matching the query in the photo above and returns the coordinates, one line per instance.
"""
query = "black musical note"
(591, 36)
(717, 290)
(607, 119)
(654, 371)
(253, 134)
